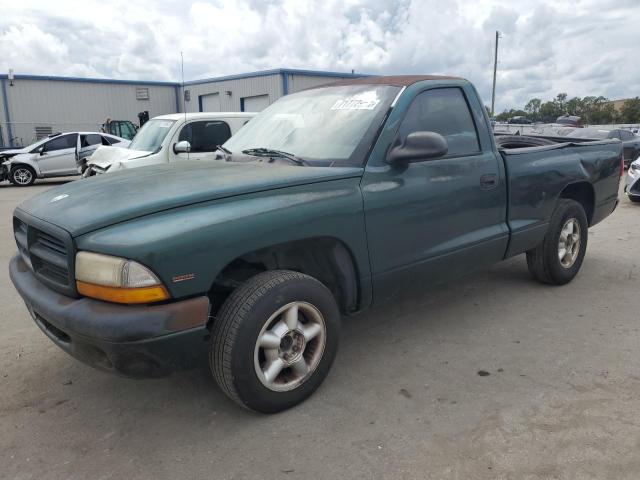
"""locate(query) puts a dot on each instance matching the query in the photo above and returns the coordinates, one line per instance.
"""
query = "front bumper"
(134, 341)
(632, 183)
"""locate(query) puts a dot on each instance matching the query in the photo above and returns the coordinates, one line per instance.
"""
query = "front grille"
(48, 251)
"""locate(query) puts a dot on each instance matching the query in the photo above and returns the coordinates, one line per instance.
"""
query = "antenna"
(184, 105)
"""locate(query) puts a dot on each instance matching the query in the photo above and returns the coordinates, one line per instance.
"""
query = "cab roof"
(394, 80)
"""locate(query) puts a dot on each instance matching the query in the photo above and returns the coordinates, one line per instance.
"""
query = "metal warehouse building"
(34, 106)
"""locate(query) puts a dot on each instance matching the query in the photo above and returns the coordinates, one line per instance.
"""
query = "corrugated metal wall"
(301, 82)
(79, 105)
(241, 87)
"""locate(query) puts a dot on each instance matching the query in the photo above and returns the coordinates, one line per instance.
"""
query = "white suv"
(53, 156)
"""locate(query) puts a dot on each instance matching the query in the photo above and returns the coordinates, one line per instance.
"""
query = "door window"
(626, 135)
(91, 139)
(127, 131)
(205, 136)
(444, 111)
(61, 143)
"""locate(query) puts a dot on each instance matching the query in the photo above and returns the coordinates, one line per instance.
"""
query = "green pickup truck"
(329, 202)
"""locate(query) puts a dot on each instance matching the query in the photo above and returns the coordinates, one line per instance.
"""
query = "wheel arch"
(583, 193)
(326, 258)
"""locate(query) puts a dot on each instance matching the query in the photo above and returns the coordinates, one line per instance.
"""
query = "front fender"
(187, 247)
(25, 159)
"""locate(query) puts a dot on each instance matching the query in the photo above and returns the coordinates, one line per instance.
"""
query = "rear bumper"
(134, 341)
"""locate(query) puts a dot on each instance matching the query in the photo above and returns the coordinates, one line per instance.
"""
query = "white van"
(170, 138)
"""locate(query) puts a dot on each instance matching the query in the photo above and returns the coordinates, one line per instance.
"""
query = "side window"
(127, 131)
(206, 135)
(107, 140)
(91, 139)
(61, 143)
(444, 111)
(626, 135)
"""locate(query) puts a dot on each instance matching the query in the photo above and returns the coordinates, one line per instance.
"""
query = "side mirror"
(182, 147)
(417, 147)
(42, 150)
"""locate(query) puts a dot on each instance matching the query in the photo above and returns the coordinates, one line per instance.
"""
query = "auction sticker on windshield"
(165, 124)
(361, 101)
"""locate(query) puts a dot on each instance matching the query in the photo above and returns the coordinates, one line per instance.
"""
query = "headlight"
(117, 279)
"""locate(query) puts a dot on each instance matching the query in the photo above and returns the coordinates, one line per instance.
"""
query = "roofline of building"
(54, 78)
(277, 71)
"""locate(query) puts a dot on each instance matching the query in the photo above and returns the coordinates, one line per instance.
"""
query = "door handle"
(488, 181)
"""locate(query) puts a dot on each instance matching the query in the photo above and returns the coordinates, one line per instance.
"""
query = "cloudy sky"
(582, 47)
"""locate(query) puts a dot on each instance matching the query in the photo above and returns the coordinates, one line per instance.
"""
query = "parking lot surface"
(491, 376)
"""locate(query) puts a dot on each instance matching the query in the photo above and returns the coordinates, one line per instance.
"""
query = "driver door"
(436, 218)
(58, 156)
(203, 136)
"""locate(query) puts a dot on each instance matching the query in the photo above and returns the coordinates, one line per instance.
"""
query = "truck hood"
(89, 204)
(106, 156)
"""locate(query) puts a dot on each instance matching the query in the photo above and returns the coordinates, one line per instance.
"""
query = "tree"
(575, 106)
(533, 108)
(560, 102)
(630, 111)
(549, 112)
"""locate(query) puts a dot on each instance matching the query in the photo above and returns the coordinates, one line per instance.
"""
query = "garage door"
(255, 104)
(210, 102)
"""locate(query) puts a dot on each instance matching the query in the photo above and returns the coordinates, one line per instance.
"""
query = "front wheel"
(274, 340)
(22, 175)
(559, 257)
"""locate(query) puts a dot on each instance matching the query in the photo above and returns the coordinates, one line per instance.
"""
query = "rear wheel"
(22, 175)
(274, 340)
(634, 198)
(559, 257)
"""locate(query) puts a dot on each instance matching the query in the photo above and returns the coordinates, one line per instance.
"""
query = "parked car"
(120, 128)
(632, 184)
(169, 138)
(53, 156)
(519, 120)
(570, 121)
(630, 142)
(331, 200)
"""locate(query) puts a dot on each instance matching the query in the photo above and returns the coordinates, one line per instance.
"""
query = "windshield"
(590, 133)
(325, 126)
(150, 136)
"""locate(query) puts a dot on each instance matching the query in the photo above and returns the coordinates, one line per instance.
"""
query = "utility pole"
(495, 69)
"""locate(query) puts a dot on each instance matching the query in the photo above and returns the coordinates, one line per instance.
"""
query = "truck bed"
(536, 177)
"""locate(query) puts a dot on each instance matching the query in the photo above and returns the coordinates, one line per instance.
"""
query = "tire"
(520, 141)
(22, 175)
(256, 310)
(544, 261)
(634, 199)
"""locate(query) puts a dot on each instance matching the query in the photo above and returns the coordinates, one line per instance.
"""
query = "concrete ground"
(404, 399)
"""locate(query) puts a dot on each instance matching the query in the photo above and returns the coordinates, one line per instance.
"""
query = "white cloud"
(582, 47)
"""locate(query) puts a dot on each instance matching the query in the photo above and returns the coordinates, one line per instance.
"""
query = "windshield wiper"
(268, 152)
